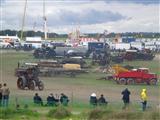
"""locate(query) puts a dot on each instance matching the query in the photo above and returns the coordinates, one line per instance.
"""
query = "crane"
(23, 19)
(45, 21)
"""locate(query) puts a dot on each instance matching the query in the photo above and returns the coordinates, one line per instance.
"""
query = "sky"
(89, 16)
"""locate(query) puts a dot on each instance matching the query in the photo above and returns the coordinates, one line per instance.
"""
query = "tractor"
(117, 57)
(44, 52)
(138, 55)
(28, 78)
(140, 75)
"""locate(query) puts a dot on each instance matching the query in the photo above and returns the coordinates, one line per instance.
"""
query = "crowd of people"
(51, 100)
(64, 100)
(126, 98)
(93, 100)
(101, 101)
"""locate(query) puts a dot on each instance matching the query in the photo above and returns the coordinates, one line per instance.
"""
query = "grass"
(59, 112)
(79, 88)
(12, 113)
(111, 112)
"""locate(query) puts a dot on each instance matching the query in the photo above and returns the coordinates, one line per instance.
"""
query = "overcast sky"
(90, 16)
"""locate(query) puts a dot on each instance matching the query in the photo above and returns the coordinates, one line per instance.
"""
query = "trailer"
(122, 46)
(52, 68)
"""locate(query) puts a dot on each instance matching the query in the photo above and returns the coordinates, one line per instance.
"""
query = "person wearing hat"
(144, 99)
(93, 99)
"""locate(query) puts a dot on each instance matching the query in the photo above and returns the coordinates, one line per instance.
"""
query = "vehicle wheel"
(31, 85)
(20, 83)
(153, 82)
(8, 46)
(40, 85)
(123, 81)
(130, 81)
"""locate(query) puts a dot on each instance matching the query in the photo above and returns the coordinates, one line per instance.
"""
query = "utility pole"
(45, 21)
(23, 20)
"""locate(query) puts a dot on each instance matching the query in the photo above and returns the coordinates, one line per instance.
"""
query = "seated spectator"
(37, 99)
(64, 99)
(93, 99)
(102, 100)
(51, 100)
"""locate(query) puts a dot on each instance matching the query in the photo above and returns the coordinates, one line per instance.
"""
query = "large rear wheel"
(123, 81)
(130, 81)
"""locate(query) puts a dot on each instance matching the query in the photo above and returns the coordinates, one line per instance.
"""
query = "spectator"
(102, 101)
(5, 95)
(93, 99)
(0, 95)
(51, 101)
(144, 99)
(64, 99)
(37, 99)
(126, 98)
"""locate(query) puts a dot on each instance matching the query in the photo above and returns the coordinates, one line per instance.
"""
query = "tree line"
(31, 33)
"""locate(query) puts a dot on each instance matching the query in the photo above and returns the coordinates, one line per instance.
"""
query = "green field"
(78, 89)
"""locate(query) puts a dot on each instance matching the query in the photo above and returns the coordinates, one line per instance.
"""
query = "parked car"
(4, 44)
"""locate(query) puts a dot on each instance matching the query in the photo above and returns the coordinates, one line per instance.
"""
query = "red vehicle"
(140, 75)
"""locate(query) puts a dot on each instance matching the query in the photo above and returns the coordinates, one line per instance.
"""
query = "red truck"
(134, 76)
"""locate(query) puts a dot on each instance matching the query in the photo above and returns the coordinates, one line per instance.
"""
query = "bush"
(96, 113)
(125, 115)
(11, 113)
(59, 113)
(6, 113)
(152, 115)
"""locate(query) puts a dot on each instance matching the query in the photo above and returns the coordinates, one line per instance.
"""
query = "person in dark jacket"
(126, 98)
(51, 100)
(93, 99)
(102, 101)
(37, 99)
(64, 99)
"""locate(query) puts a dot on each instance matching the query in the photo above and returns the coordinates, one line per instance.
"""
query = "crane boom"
(23, 19)
(45, 21)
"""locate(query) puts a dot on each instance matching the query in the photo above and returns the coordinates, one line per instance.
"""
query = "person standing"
(126, 98)
(5, 95)
(144, 99)
(0, 95)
